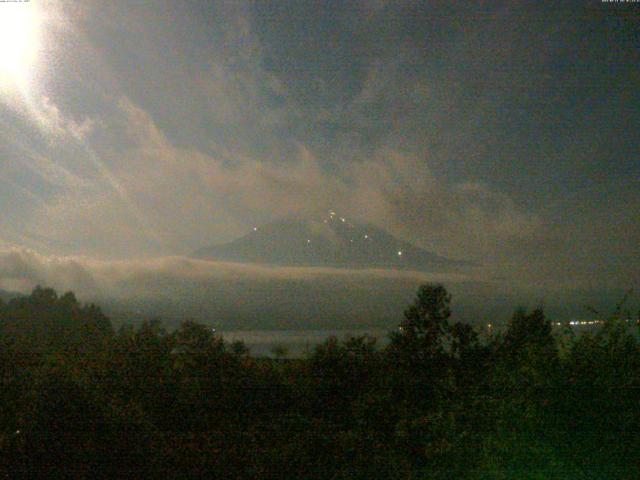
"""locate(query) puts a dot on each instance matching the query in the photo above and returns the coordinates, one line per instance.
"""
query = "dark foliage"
(80, 400)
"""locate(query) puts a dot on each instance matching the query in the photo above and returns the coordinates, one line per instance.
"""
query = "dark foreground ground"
(79, 400)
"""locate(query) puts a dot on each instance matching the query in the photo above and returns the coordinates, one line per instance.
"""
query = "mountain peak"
(329, 240)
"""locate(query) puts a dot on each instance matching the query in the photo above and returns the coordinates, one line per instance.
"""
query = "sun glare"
(19, 32)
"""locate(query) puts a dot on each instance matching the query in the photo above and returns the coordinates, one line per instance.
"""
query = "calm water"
(297, 342)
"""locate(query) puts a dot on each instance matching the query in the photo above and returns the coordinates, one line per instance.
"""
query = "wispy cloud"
(157, 130)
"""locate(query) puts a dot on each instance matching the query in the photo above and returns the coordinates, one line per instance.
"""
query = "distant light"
(255, 229)
(399, 253)
(18, 432)
(342, 219)
(351, 240)
(366, 236)
(308, 241)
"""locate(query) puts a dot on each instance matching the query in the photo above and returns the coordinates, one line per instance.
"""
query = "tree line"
(79, 399)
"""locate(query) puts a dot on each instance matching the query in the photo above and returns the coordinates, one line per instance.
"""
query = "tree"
(43, 323)
(422, 333)
(532, 329)
(279, 351)
(238, 347)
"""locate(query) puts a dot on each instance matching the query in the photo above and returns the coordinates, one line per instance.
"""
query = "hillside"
(332, 241)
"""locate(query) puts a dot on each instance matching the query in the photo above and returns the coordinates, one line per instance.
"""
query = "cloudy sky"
(503, 133)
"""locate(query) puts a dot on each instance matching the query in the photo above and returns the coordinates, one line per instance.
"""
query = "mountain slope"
(330, 241)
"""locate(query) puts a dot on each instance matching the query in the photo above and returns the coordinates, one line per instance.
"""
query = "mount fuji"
(328, 241)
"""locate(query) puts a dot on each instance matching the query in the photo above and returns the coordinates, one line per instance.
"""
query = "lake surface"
(298, 343)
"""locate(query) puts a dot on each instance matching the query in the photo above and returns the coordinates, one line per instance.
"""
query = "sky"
(503, 133)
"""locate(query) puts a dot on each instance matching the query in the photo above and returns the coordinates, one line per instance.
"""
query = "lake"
(297, 342)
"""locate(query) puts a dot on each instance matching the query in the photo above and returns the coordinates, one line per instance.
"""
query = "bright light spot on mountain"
(399, 253)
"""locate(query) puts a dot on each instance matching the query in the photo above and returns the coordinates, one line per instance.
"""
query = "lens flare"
(19, 44)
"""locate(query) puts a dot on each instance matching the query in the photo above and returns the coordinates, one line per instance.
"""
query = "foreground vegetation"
(78, 400)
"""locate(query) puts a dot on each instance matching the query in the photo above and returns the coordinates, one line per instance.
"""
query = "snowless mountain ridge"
(331, 240)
